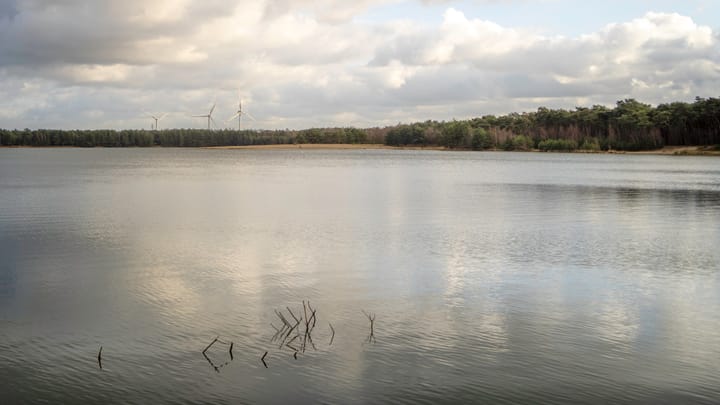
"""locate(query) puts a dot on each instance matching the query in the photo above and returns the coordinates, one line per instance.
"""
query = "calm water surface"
(494, 277)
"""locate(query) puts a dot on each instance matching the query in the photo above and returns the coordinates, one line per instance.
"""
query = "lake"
(492, 277)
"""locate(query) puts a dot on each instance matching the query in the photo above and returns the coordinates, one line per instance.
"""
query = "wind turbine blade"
(213, 122)
(212, 109)
(233, 117)
(162, 116)
(200, 116)
(249, 116)
(148, 114)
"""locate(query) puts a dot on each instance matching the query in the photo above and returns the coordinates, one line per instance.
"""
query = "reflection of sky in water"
(506, 275)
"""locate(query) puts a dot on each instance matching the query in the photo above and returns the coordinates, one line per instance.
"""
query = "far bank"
(667, 150)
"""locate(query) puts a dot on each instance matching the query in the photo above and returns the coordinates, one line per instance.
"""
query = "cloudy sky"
(306, 63)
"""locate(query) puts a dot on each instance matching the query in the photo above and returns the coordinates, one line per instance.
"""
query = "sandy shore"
(682, 151)
(328, 146)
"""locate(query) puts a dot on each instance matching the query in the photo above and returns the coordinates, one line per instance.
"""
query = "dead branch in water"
(100, 358)
(305, 310)
(230, 352)
(371, 318)
(280, 332)
(313, 314)
(293, 339)
(212, 363)
(282, 318)
(263, 359)
(333, 334)
(307, 336)
(312, 318)
(293, 315)
(292, 329)
(289, 332)
(210, 345)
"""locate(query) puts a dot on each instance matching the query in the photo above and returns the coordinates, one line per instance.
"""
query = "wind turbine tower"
(208, 116)
(157, 118)
(239, 113)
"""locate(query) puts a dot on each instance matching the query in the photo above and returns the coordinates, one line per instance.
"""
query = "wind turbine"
(208, 116)
(157, 118)
(239, 113)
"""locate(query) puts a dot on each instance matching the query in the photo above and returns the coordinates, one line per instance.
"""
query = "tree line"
(630, 125)
(181, 137)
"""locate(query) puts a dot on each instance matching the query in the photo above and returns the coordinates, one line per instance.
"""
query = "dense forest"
(630, 125)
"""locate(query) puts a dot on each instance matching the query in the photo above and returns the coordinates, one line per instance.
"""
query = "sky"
(295, 64)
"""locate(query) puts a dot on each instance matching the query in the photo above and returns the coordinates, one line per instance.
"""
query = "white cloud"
(308, 63)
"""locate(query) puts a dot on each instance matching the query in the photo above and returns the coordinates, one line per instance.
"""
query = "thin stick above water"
(211, 343)
(263, 359)
(293, 315)
(371, 318)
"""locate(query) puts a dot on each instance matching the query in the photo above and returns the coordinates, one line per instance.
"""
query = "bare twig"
(309, 339)
(288, 335)
(305, 310)
(280, 332)
(371, 318)
(212, 364)
(263, 359)
(312, 318)
(230, 352)
(293, 315)
(217, 369)
(293, 339)
(284, 335)
(211, 343)
(333, 334)
(100, 358)
(292, 329)
(282, 318)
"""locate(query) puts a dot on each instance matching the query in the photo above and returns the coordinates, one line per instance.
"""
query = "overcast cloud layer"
(303, 63)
